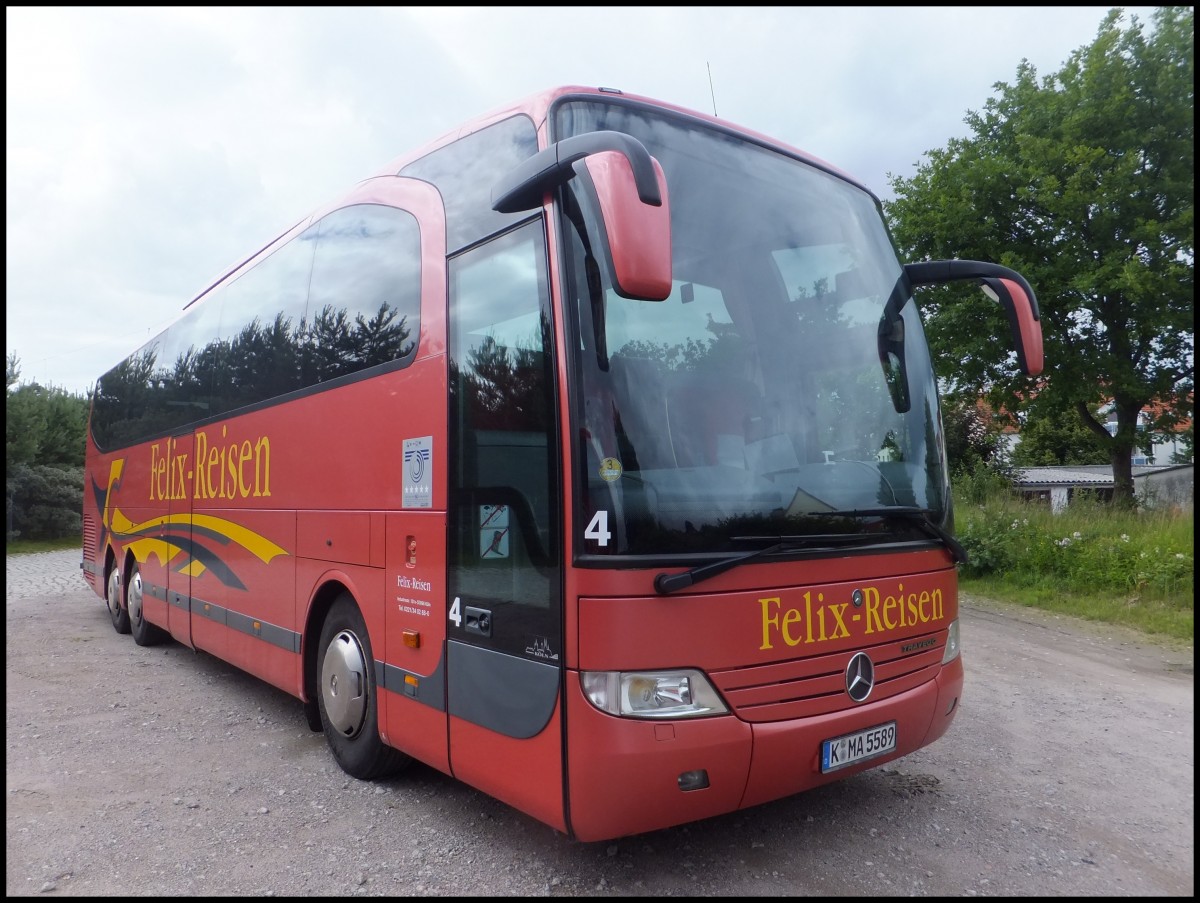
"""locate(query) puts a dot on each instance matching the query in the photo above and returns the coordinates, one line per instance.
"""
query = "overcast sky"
(149, 149)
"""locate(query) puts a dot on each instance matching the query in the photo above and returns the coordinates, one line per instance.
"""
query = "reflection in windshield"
(786, 375)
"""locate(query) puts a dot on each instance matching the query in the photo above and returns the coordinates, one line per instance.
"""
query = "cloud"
(151, 148)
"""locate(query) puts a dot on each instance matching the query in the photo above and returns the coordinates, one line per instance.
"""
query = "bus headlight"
(685, 693)
(951, 652)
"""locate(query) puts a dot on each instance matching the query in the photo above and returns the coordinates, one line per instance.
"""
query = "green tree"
(45, 426)
(1083, 181)
(973, 441)
(62, 442)
(45, 431)
(22, 420)
(1049, 439)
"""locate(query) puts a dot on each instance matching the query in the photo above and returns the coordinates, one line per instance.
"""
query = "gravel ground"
(1070, 771)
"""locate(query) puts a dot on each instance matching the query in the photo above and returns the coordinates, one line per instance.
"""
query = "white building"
(1155, 485)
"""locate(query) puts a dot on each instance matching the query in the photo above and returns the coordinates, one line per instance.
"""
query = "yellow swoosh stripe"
(259, 546)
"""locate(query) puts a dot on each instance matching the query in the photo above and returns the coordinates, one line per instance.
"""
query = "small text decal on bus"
(418, 472)
(819, 621)
(222, 470)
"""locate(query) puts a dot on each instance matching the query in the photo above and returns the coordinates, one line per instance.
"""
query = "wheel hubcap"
(344, 684)
(113, 598)
(135, 599)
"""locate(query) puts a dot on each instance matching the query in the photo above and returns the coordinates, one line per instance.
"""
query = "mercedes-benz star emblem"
(860, 677)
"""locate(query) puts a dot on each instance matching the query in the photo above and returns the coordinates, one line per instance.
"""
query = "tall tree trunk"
(1121, 456)
(1120, 447)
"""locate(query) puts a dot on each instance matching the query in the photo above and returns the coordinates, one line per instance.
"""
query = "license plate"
(857, 747)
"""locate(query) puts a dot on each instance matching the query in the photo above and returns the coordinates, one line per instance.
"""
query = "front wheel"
(112, 598)
(347, 695)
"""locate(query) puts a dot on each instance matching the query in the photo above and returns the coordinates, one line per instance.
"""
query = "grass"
(25, 546)
(1171, 618)
(1131, 568)
(1134, 569)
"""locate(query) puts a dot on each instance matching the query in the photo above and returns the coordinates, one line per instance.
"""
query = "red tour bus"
(590, 455)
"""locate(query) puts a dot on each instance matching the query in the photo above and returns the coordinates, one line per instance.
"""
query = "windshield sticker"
(610, 470)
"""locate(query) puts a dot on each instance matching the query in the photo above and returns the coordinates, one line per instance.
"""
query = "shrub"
(44, 502)
(1088, 547)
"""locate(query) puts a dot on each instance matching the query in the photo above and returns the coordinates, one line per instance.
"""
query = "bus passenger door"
(504, 626)
(177, 531)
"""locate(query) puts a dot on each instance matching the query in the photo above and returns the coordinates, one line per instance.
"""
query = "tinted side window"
(127, 402)
(237, 346)
(465, 171)
(338, 299)
(364, 305)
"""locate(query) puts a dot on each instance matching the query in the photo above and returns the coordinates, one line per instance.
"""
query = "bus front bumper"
(628, 776)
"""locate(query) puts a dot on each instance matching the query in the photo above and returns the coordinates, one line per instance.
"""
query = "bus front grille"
(806, 687)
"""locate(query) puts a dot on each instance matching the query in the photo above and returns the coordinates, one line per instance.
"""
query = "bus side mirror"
(892, 358)
(628, 191)
(637, 241)
(1000, 284)
(1021, 306)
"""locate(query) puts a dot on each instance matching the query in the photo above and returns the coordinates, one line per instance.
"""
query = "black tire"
(347, 697)
(115, 601)
(144, 633)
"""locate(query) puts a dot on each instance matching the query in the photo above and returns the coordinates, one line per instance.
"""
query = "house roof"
(1009, 424)
(1098, 475)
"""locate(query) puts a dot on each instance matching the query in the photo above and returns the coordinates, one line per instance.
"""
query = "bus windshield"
(786, 376)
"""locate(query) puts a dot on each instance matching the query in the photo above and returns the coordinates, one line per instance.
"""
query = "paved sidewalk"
(43, 572)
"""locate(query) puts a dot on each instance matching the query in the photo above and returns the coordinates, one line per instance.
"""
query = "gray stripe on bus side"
(270, 633)
(428, 689)
(255, 627)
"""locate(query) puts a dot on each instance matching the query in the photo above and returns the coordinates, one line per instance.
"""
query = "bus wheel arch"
(114, 595)
(318, 609)
(345, 690)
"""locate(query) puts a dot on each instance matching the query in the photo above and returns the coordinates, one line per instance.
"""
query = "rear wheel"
(347, 696)
(144, 633)
(112, 598)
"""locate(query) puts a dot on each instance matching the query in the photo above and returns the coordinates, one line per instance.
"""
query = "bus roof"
(537, 106)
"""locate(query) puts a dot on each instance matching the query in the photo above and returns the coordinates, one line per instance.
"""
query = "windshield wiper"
(920, 516)
(666, 583)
